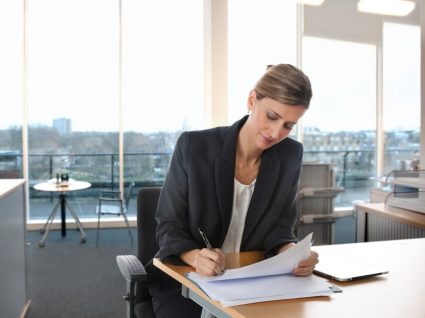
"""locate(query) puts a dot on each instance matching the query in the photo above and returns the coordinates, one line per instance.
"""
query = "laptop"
(341, 268)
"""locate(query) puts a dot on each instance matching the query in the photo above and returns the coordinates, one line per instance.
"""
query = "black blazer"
(198, 193)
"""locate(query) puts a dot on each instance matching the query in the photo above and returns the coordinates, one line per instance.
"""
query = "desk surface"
(397, 294)
(400, 215)
(52, 186)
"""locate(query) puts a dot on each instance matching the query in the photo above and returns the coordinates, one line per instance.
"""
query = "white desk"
(14, 300)
(52, 186)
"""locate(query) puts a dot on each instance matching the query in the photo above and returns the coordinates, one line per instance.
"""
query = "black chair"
(114, 203)
(132, 267)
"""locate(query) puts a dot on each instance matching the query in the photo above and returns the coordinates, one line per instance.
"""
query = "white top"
(52, 186)
(241, 198)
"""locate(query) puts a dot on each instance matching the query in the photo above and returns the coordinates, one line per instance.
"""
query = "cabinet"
(396, 211)
(13, 287)
(380, 222)
(316, 196)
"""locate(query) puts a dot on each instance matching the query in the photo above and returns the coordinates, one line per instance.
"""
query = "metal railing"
(353, 169)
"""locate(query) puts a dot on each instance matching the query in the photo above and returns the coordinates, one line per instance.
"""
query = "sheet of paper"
(282, 263)
(267, 280)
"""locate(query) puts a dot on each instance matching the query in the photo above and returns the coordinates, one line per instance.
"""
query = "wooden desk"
(397, 294)
(377, 221)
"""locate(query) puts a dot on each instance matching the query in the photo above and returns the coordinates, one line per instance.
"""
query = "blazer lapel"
(263, 191)
(225, 174)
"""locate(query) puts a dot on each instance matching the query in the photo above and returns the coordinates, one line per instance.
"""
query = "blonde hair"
(286, 84)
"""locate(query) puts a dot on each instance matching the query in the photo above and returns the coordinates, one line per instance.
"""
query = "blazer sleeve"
(172, 232)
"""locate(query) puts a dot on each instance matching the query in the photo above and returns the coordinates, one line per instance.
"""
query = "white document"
(257, 289)
(267, 280)
(282, 263)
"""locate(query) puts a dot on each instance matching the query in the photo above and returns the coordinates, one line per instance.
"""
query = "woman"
(238, 184)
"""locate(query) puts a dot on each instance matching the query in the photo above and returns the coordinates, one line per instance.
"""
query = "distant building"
(63, 126)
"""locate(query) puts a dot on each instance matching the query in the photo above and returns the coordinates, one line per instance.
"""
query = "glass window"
(339, 127)
(11, 87)
(162, 83)
(401, 96)
(72, 98)
(264, 34)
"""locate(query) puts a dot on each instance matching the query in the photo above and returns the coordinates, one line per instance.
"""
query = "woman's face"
(270, 121)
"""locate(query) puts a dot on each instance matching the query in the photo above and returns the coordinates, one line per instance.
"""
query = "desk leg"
(63, 213)
(206, 305)
(49, 222)
(77, 221)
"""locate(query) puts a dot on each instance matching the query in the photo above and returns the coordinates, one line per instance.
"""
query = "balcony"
(353, 171)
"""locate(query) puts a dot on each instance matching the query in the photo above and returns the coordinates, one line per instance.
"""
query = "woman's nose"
(274, 131)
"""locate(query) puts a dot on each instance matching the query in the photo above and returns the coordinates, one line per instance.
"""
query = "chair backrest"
(147, 202)
(127, 194)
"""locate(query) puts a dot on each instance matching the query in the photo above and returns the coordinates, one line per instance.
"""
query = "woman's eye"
(271, 116)
(288, 126)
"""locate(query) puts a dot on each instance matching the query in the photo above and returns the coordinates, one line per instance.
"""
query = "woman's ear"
(251, 100)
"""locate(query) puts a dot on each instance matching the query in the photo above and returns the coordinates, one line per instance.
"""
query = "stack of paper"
(270, 279)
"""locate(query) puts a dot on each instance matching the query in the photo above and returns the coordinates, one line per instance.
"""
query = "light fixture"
(311, 2)
(386, 7)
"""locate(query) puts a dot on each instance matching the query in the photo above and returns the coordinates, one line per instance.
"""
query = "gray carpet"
(70, 279)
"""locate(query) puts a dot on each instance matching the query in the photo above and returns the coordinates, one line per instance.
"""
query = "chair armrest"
(131, 268)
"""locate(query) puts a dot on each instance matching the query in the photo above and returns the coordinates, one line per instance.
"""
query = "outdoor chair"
(114, 203)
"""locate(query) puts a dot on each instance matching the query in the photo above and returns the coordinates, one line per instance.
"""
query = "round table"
(62, 188)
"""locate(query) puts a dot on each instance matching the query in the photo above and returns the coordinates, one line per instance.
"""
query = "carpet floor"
(67, 278)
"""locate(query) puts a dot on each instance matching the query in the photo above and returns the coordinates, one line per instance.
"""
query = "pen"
(208, 245)
(204, 237)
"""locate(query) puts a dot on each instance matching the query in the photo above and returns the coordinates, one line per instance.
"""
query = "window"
(401, 114)
(162, 83)
(99, 70)
(72, 97)
(264, 34)
(11, 86)
(339, 127)
(143, 63)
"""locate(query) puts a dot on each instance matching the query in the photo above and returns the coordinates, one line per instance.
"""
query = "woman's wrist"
(285, 247)
(189, 256)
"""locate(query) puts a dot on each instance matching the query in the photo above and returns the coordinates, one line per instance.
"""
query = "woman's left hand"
(306, 267)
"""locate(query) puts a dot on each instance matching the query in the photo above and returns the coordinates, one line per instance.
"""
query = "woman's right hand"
(207, 262)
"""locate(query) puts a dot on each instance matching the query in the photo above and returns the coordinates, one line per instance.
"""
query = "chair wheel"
(41, 244)
(83, 240)
(42, 231)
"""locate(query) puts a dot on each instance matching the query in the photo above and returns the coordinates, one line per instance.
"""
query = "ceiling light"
(311, 2)
(386, 7)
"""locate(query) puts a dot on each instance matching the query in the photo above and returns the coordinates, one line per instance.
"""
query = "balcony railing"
(353, 171)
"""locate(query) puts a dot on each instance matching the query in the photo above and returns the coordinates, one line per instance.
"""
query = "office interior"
(113, 89)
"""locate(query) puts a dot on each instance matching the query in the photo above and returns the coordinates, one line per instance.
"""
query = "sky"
(163, 93)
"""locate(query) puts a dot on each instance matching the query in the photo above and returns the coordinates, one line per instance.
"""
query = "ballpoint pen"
(204, 237)
(208, 245)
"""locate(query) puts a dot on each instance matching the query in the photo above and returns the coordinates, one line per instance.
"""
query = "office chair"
(132, 267)
(114, 203)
